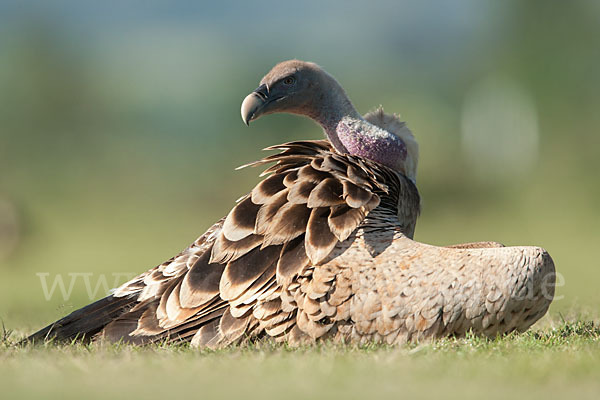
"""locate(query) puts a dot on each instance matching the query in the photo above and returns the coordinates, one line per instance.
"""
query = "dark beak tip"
(247, 119)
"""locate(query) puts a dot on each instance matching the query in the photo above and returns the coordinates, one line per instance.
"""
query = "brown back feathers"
(229, 283)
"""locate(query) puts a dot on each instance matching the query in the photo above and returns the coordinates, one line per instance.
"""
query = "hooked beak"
(254, 103)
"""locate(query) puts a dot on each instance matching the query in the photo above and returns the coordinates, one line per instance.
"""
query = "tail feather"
(85, 322)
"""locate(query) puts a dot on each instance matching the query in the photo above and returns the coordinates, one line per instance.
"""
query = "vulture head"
(293, 86)
(304, 88)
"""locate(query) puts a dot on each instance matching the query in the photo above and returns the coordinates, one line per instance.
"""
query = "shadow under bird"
(322, 249)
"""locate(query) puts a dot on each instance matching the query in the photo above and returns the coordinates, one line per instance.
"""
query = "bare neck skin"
(350, 133)
(332, 108)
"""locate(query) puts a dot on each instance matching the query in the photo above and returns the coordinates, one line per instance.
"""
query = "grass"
(101, 234)
(559, 358)
(100, 225)
(556, 362)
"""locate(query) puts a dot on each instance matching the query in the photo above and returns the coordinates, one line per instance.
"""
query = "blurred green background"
(120, 127)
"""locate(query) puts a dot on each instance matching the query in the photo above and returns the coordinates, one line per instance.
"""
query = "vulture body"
(322, 249)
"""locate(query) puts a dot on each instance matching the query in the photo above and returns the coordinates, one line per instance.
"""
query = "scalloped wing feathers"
(229, 282)
(293, 261)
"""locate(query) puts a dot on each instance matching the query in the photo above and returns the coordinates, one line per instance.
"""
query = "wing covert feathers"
(293, 261)
(310, 193)
(230, 279)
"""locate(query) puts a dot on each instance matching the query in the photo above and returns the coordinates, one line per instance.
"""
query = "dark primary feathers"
(228, 285)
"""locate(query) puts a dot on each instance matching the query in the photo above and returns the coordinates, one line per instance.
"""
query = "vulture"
(322, 249)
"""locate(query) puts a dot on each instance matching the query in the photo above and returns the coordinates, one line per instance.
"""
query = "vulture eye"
(289, 80)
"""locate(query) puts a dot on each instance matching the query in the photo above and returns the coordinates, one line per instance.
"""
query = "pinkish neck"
(330, 120)
(349, 133)
(330, 126)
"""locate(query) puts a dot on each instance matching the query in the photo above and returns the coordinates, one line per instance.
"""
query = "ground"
(560, 360)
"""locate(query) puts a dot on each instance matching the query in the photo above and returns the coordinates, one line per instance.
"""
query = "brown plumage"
(322, 248)
(375, 285)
